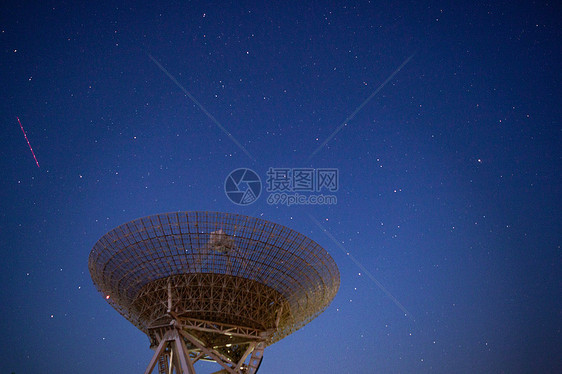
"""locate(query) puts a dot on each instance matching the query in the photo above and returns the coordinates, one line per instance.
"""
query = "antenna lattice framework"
(212, 286)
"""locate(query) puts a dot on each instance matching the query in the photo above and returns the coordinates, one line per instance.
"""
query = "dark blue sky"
(449, 176)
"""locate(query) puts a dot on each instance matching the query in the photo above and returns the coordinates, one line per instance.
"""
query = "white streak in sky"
(363, 268)
(211, 117)
(352, 115)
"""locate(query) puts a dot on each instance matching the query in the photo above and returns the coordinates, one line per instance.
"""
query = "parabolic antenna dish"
(212, 286)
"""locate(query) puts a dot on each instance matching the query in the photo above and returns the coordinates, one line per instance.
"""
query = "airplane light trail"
(31, 149)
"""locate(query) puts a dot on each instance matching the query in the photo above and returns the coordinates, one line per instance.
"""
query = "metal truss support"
(171, 354)
(256, 358)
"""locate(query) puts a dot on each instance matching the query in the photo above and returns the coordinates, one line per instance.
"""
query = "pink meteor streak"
(31, 149)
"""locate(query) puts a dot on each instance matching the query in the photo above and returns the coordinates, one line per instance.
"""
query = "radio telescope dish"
(212, 286)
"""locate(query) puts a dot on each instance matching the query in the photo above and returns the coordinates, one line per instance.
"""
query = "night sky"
(442, 120)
